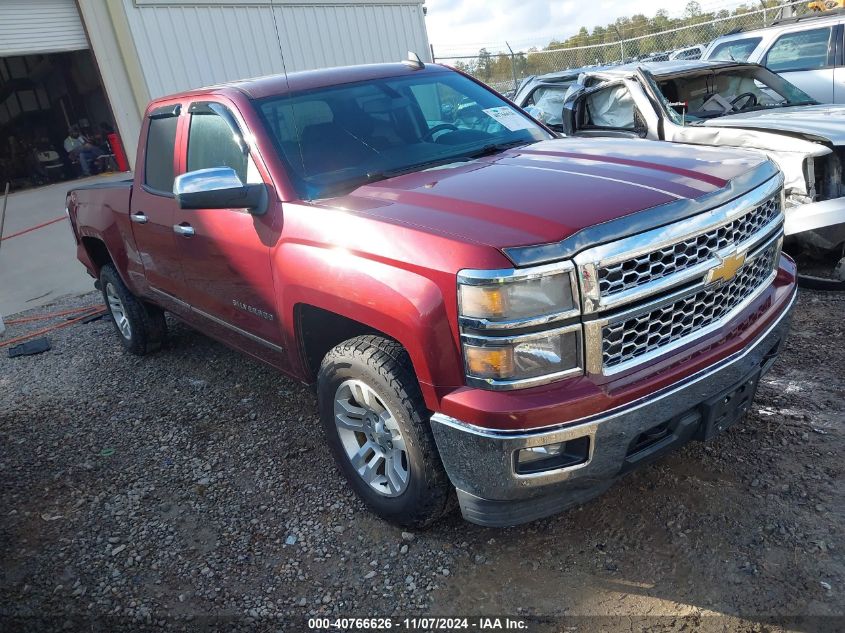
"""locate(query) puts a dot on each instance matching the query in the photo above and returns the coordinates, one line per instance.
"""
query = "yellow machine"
(826, 5)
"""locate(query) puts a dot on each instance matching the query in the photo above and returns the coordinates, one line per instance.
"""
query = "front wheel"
(377, 426)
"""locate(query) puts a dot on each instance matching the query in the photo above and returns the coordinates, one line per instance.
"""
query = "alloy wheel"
(371, 438)
(118, 312)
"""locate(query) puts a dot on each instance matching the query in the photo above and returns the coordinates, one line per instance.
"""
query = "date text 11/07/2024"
(418, 624)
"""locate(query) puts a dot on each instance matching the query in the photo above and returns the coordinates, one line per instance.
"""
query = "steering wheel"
(439, 128)
(749, 96)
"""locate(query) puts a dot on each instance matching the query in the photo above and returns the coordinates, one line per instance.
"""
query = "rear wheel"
(140, 326)
(377, 426)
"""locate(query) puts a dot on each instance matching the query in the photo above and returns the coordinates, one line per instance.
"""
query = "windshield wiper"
(376, 176)
(426, 164)
(495, 148)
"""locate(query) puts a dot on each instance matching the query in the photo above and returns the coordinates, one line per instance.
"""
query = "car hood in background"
(547, 191)
(819, 121)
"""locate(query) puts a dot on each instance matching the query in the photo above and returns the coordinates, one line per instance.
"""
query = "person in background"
(80, 148)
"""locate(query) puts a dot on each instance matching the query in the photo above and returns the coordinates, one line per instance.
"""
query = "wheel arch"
(320, 323)
(97, 251)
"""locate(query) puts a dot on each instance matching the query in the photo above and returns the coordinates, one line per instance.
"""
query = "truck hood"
(818, 122)
(547, 191)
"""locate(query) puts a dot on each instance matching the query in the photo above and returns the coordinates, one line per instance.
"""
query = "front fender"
(416, 309)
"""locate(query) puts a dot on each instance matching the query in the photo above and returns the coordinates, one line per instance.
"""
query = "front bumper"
(820, 224)
(481, 463)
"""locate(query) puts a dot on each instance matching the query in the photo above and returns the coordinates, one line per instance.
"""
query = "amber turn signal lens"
(489, 362)
(485, 301)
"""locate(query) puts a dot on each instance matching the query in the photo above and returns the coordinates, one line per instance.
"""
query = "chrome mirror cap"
(206, 180)
(219, 188)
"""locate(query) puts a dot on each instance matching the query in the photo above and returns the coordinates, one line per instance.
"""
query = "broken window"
(708, 94)
(546, 103)
(612, 107)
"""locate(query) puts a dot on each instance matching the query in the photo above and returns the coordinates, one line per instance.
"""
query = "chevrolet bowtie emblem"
(726, 270)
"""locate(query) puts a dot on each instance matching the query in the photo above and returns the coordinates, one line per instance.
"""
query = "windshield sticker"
(509, 118)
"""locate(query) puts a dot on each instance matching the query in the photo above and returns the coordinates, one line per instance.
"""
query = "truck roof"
(269, 85)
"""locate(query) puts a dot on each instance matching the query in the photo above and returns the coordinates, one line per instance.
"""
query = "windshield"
(336, 138)
(709, 94)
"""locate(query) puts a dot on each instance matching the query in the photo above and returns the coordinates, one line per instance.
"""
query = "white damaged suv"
(723, 104)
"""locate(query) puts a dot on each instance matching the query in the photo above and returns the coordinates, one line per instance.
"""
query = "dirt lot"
(153, 493)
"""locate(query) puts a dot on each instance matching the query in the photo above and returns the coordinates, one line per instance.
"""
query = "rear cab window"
(735, 50)
(159, 153)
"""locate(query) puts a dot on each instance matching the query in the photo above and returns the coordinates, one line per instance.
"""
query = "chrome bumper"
(481, 462)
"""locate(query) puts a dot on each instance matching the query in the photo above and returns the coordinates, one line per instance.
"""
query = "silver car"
(807, 51)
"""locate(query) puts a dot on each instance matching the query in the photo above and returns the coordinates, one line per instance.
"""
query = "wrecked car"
(715, 103)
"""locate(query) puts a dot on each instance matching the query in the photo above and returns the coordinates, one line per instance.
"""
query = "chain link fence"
(628, 40)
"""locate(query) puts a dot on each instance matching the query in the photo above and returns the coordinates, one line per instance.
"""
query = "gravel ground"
(191, 490)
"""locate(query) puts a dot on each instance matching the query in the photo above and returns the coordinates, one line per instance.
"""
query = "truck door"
(225, 253)
(153, 208)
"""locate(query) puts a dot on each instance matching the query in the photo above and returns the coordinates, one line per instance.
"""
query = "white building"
(66, 62)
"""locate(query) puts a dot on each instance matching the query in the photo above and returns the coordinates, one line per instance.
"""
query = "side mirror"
(219, 188)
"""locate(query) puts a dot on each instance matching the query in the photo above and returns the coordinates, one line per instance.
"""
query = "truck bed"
(100, 211)
(111, 184)
(94, 205)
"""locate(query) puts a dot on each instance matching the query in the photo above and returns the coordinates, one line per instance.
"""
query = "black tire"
(147, 326)
(384, 366)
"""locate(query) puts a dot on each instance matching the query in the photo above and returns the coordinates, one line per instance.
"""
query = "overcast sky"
(463, 26)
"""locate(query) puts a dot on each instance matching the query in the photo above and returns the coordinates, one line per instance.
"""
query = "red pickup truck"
(483, 307)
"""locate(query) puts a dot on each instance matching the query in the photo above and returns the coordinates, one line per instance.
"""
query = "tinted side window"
(735, 50)
(212, 144)
(158, 162)
(692, 53)
(805, 50)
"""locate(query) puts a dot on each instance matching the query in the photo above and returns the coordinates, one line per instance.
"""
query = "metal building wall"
(183, 44)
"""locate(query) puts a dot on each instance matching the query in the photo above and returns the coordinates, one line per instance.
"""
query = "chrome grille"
(640, 270)
(629, 338)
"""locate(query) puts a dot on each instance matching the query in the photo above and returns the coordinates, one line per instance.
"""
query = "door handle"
(139, 217)
(183, 229)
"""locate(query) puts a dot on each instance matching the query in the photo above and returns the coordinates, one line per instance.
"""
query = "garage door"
(40, 26)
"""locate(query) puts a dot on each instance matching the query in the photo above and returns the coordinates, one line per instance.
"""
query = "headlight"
(515, 358)
(517, 298)
(500, 314)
